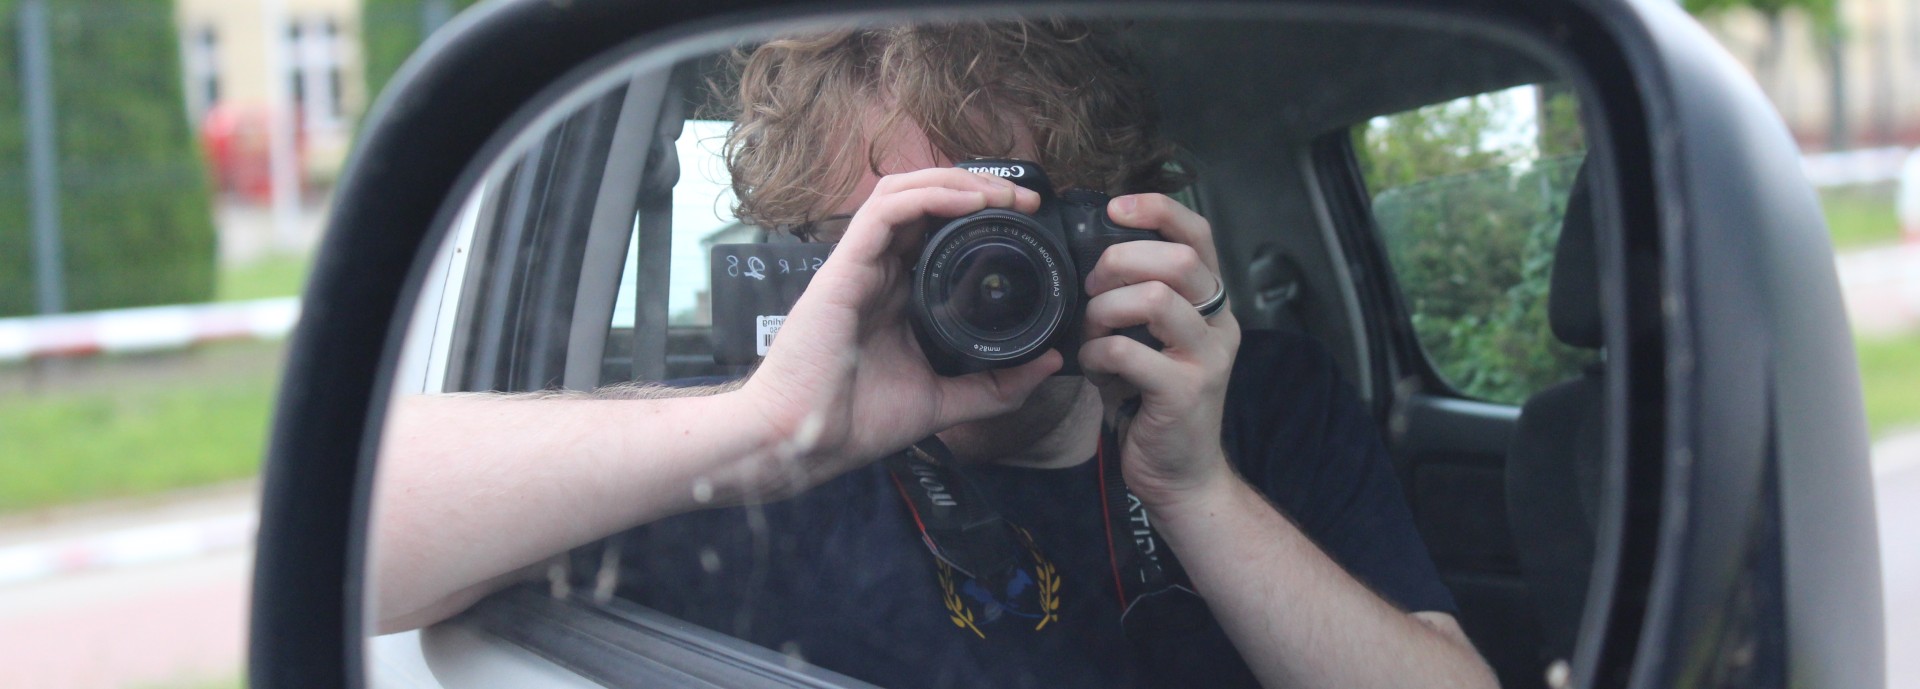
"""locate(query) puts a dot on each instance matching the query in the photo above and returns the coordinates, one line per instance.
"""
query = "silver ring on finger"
(1212, 305)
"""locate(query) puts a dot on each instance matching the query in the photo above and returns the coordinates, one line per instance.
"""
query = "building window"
(202, 57)
(333, 77)
(315, 49)
(296, 86)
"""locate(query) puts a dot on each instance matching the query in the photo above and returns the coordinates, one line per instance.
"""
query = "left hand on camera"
(1171, 448)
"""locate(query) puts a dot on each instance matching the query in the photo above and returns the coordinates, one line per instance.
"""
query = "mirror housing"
(1739, 461)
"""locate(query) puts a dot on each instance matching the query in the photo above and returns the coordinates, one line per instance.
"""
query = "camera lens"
(994, 291)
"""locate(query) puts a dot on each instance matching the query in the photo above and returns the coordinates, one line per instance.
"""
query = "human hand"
(846, 382)
(1171, 447)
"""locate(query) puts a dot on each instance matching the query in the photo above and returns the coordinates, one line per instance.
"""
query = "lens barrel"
(990, 291)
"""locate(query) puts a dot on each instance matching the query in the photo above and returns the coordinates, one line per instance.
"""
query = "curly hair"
(804, 104)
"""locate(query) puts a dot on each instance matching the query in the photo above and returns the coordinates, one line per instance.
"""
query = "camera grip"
(1117, 234)
(1088, 253)
(1140, 334)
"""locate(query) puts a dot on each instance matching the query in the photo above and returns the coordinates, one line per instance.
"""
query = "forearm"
(472, 488)
(1295, 615)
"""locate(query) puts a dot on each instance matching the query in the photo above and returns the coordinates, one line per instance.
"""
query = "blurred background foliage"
(135, 199)
(1468, 197)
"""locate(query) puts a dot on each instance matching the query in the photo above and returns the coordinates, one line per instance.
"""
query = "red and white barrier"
(142, 545)
(145, 329)
(1882, 288)
(1857, 166)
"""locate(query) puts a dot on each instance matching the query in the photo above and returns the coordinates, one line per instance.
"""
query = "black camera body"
(998, 288)
(992, 289)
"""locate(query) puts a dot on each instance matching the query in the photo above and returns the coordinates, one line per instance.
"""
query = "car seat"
(1554, 460)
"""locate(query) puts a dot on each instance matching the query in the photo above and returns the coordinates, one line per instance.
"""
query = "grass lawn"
(1861, 216)
(119, 427)
(112, 427)
(277, 275)
(1890, 376)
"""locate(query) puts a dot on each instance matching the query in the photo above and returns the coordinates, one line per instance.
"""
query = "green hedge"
(1470, 220)
(1473, 254)
(391, 30)
(135, 200)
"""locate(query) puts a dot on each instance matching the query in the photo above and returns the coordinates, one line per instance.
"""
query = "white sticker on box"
(766, 328)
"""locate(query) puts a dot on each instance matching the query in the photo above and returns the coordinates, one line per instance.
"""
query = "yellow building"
(1878, 65)
(248, 55)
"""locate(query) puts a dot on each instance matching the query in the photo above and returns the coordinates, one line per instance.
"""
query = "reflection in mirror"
(1022, 352)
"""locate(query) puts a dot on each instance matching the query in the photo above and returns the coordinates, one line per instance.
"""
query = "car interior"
(568, 268)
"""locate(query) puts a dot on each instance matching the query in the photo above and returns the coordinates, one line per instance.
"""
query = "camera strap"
(957, 524)
(1143, 567)
(963, 531)
(1167, 626)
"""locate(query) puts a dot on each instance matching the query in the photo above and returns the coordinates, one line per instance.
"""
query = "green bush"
(135, 202)
(1470, 217)
(1473, 254)
(392, 29)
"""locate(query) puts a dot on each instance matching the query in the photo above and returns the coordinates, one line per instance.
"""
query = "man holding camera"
(852, 506)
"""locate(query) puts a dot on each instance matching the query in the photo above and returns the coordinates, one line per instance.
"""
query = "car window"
(1468, 196)
(702, 217)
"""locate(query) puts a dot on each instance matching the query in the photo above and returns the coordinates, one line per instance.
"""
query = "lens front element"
(995, 290)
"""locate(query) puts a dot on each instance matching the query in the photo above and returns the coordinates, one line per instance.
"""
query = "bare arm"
(1296, 616)
(475, 491)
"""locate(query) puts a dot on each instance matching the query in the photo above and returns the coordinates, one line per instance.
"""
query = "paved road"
(180, 623)
(1897, 496)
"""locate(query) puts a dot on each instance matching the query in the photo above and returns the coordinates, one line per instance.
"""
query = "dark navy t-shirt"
(839, 575)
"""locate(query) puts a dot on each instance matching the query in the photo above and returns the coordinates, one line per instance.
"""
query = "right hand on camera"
(845, 382)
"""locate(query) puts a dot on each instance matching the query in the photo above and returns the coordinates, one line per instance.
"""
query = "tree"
(1470, 215)
(135, 200)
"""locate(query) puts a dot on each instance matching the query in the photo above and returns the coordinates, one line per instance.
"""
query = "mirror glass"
(1023, 351)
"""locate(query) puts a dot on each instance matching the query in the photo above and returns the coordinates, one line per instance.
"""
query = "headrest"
(1573, 298)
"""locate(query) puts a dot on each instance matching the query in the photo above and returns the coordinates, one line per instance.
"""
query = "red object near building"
(237, 142)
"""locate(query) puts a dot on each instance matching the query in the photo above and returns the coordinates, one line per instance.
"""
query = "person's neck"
(1069, 443)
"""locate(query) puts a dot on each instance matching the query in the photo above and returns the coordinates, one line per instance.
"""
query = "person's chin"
(1017, 431)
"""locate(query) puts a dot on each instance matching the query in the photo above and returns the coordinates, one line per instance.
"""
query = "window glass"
(702, 217)
(1468, 196)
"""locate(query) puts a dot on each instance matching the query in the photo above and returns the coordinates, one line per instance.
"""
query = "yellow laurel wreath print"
(1049, 585)
(1049, 594)
(957, 609)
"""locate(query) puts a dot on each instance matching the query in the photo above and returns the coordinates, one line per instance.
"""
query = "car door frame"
(1425, 420)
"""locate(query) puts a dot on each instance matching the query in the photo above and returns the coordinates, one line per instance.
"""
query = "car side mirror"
(1734, 536)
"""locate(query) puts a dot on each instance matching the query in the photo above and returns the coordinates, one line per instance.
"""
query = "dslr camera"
(992, 289)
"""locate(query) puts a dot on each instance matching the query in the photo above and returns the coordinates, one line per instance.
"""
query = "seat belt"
(654, 241)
